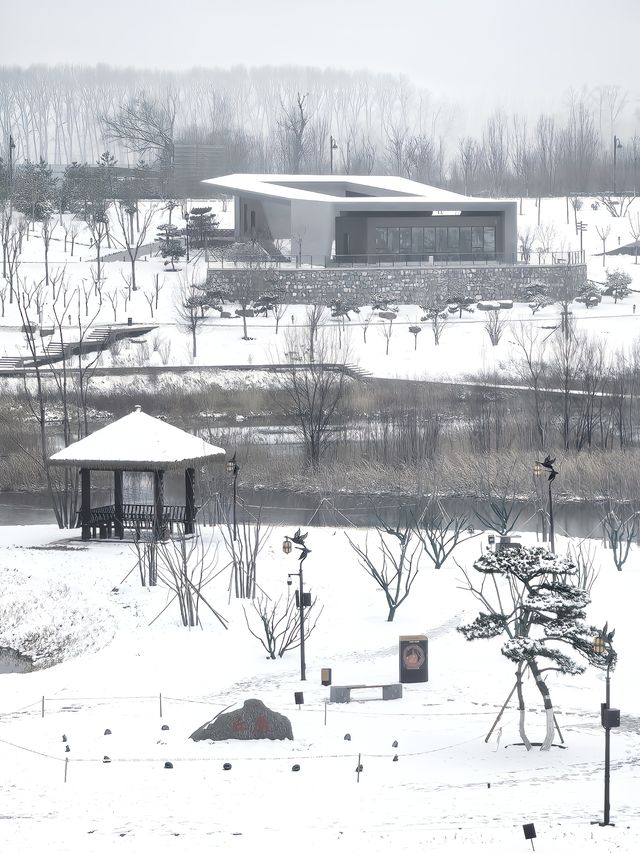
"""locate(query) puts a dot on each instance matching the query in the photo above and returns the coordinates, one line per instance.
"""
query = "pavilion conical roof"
(137, 442)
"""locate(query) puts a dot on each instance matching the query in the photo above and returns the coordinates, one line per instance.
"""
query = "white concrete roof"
(393, 189)
(137, 442)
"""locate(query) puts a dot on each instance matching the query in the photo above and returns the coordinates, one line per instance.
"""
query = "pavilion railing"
(135, 517)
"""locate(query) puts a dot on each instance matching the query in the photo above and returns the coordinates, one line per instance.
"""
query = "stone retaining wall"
(414, 286)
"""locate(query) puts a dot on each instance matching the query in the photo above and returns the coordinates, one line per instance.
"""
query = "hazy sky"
(477, 52)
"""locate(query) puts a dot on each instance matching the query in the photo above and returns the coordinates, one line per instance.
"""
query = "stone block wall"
(414, 286)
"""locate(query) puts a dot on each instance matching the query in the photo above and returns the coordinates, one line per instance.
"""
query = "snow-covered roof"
(332, 188)
(137, 442)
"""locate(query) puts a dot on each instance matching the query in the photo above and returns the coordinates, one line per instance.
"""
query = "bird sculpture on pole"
(548, 465)
(298, 540)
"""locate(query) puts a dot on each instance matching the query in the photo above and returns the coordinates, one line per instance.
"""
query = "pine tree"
(171, 246)
(618, 284)
(35, 190)
(535, 603)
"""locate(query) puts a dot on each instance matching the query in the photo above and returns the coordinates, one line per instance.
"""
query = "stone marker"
(254, 721)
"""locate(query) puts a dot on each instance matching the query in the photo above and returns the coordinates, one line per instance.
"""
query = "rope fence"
(336, 708)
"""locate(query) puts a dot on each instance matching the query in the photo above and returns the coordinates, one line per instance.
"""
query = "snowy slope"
(449, 790)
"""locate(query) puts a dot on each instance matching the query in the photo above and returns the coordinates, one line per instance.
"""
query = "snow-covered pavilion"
(137, 442)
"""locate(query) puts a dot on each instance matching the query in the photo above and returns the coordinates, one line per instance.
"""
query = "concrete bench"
(343, 693)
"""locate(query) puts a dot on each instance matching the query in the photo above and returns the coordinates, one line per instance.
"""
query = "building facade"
(369, 219)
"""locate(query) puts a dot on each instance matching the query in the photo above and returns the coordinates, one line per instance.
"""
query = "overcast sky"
(514, 53)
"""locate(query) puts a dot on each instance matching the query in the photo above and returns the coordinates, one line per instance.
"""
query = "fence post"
(66, 765)
(161, 705)
(43, 707)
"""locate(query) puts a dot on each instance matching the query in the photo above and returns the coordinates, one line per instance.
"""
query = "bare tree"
(124, 237)
(145, 125)
(634, 226)
(186, 565)
(191, 305)
(293, 124)
(70, 392)
(316, 315)
(278, 628)
(546, 235)
(311, 394)
(439, 533)
(620, 525)
(386, 330)
(495, 325)
(526, 238)
(113, 296)
(603, 233)
(395, 566)
(531, 344)
(243, 550)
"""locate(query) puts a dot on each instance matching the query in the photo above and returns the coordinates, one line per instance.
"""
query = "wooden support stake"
(558, 729)
(43, 707)
(161, 705)
(66, 765)
(358, 767)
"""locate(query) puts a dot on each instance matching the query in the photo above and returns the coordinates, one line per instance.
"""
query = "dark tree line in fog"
(282, 120)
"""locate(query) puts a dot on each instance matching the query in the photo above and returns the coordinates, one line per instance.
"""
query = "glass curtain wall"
(456, 243)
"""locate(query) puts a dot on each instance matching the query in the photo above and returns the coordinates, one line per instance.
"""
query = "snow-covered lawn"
(449, 790)
(465, 349)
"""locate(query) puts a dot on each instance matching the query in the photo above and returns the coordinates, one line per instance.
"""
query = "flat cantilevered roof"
(330, 189)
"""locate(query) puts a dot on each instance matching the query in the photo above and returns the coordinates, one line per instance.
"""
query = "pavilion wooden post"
(119, 507)
(85, 503)
(158, 505)
(190, 504)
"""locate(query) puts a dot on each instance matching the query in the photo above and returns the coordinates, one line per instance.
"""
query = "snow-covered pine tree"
(533, 601)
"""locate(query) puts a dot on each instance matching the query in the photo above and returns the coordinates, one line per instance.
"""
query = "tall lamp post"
(581, 229)
(233, 468)
(610, 717)
(539, 469)
(298, 539)
(333, 146)
(616, 145)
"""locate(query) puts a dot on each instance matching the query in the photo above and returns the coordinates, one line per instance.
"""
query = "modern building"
(371, 218)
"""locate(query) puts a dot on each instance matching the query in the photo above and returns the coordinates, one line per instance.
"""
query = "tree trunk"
(548, 707)
(521, 707)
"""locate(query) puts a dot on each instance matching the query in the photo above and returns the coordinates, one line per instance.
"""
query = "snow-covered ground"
(465, 349)
(449, 790)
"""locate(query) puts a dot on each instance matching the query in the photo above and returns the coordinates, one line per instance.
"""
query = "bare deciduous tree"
(395, 566)
(495, 325)
(278, 627)
(311, 393)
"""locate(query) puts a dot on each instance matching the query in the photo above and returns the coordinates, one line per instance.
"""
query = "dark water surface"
(278, 506)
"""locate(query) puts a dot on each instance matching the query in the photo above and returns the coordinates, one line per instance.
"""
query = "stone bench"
(343, 693)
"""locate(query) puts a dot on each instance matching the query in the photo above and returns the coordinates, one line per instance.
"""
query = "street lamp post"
(333, 146)
(233, 468)
(610, 718)
(542, 468)
(616, 145)
(581, 229)
(298, 539)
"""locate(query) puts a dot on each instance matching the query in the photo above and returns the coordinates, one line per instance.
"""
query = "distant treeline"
(284, 120)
